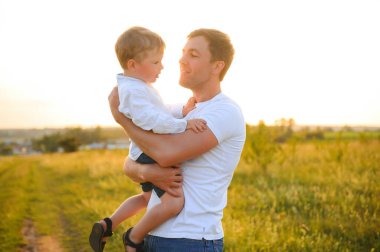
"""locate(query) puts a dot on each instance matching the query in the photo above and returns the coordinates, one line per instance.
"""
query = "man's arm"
(166, 150)
(168, 179)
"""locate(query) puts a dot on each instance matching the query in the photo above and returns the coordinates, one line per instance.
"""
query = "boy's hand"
(190, 105)
(196, 125)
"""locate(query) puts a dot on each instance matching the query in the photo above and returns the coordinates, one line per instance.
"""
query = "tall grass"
(310, 203)
(308, 198)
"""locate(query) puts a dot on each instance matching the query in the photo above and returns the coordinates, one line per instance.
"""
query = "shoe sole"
(96, 236)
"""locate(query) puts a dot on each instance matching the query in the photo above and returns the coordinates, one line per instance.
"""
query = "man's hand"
(168, 179)
(113, 100)
(172, 183)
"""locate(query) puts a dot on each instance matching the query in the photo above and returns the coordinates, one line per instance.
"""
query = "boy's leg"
(101, 230)
(169, 207)
(128, 208)
(134, 204)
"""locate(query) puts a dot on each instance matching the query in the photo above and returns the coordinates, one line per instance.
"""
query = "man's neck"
(207, 93)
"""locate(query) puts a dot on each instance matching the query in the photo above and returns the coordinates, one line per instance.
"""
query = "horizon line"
(250, 124)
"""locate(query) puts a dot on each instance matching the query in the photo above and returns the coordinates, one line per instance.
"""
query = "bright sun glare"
(315, 62)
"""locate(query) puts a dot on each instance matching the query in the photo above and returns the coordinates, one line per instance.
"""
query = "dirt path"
(36, 243)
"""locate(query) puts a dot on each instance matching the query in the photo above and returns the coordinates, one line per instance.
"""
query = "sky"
(317, 62)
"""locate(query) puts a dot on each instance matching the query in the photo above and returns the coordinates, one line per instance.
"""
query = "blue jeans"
(160, 244)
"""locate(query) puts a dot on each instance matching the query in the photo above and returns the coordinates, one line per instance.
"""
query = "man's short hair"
(220, 47)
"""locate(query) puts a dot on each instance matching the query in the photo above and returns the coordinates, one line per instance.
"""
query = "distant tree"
(85, 136)
(48, 143)
(260, 146)
(113, 133)
(329, 129)
(284, 130)
(347, 128)
(5, 150)
(316, 134)
(97, 134)
(70, 139)
(69, 144)
(78, 133)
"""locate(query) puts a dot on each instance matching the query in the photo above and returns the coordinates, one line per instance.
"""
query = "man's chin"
(183, 84)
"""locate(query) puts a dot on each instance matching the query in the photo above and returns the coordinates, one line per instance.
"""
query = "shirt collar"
(213, 99)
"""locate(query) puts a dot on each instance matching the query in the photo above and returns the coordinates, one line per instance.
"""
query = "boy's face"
(149, 68)
(195, 63)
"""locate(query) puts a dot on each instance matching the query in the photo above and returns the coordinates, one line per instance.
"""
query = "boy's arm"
(175, 110)
(166, 150)
(180, 111)
(147, 115)
(190, 105)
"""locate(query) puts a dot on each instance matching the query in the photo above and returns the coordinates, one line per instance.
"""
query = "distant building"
(112, 145)
(119, 144)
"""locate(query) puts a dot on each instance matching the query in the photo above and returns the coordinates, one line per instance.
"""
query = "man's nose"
(182, 60)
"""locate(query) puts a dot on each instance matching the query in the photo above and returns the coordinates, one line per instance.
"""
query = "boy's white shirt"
(207, 177)
(144, 106)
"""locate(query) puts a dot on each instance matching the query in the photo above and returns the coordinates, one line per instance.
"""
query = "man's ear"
(218, 66)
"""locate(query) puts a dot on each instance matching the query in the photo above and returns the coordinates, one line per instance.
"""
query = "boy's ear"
(131, 64)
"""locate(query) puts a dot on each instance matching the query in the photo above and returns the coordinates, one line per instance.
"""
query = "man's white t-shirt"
(207, 177)
(143, 105)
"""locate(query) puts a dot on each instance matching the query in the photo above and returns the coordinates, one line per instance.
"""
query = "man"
(207, 159)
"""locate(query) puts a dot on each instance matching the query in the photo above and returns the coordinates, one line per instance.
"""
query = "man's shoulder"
(224, 118)
(226, 104)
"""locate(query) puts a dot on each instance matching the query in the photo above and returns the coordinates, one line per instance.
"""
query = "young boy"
(140, 52)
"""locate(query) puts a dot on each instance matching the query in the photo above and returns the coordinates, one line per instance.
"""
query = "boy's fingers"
(203, 126)
(175, 185)
(178, 179)
(197, 127)
(173, 192)
(191, 100)
(176, 171)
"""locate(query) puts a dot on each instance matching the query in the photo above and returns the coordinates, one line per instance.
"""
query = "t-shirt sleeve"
(225, 121)
(149, 116)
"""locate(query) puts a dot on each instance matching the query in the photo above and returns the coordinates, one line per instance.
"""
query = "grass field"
(306, 200)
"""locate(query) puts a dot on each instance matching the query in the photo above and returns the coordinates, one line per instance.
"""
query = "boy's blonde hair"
(135, 42)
